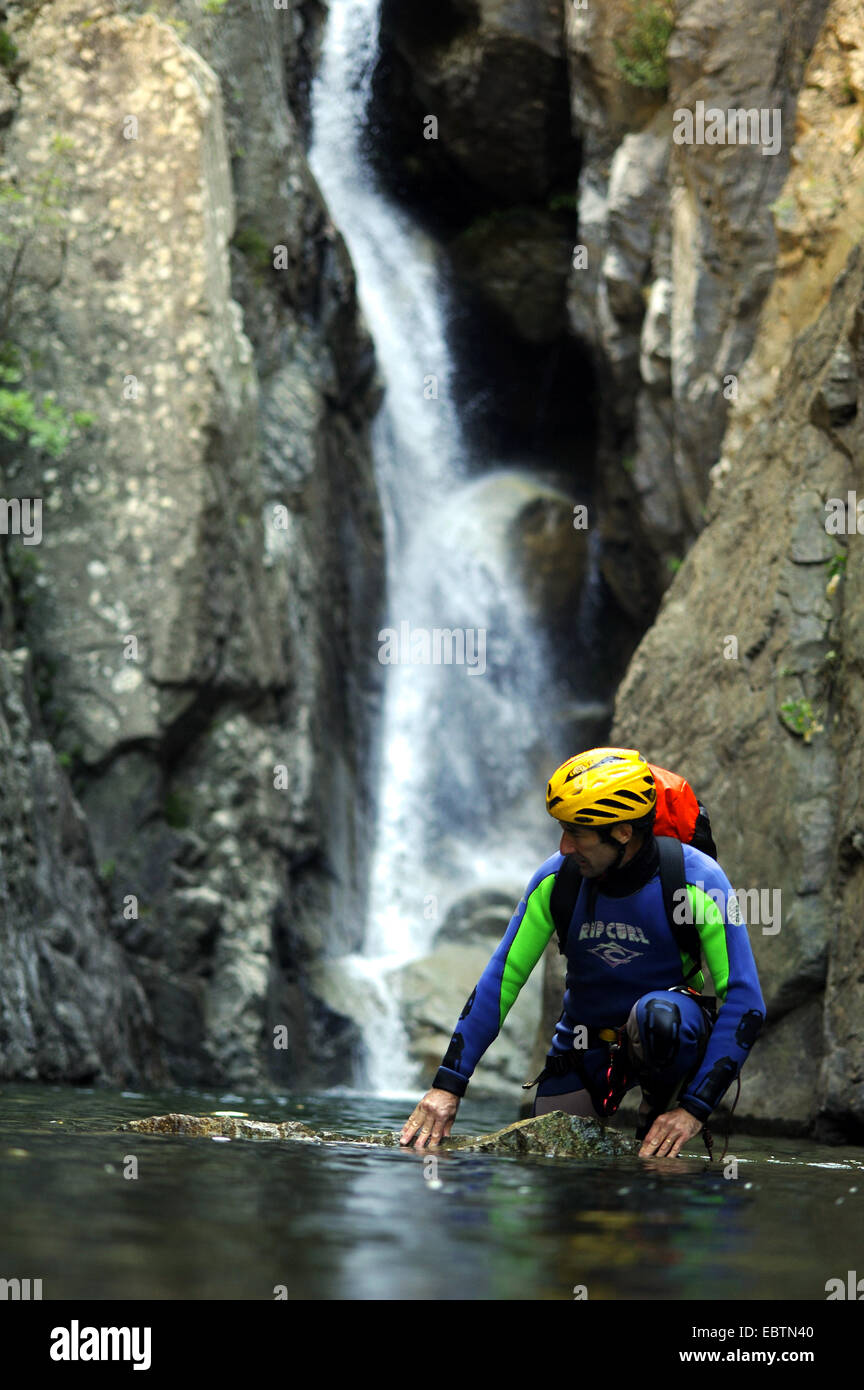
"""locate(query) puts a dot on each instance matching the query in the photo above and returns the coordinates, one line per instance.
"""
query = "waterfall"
(463, 760)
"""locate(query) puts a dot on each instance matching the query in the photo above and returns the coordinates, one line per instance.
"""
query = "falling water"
(460, 795)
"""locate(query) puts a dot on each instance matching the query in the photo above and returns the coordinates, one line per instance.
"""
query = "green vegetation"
(8, 51)
(641, 58)
(28, 214)
(214, 6)
(178, 810)
(800, 718)
(785, 209)
(255, 247)
(503, 219)
(837, 564)
(69, 758)
(44, 424)
(107, 870)
(674, 562)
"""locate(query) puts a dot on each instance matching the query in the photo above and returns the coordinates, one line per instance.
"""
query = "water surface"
(231, 1219)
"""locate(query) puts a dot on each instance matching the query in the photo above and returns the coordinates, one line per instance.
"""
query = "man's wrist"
(447, 1080)
(696, 1108)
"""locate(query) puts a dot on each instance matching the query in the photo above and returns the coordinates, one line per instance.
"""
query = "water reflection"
(238, 1220)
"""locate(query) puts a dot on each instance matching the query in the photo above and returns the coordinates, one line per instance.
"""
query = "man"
(632, 1012)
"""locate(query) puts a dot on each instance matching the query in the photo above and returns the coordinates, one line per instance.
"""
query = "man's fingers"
(668, 1144)
(411, 1129)
(423, 1130)
(426, 1128)
(438, 1133)
(423, 1137)
(663, 1144)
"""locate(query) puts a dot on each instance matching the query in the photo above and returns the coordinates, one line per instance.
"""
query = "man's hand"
(432, 1119)
(668, 1133)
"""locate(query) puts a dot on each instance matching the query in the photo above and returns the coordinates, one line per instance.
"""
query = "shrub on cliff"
(641, 58)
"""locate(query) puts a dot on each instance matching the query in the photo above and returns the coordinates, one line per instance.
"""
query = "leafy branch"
(28, 216)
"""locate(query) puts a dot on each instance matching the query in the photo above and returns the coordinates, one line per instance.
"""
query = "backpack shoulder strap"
(562, 902)
(672, 877)
(673, 880)
(702, 837)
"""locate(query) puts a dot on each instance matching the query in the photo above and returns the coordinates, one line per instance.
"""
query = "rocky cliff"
(186, 689)
(201, 608)
(679, 251)
(749, 681)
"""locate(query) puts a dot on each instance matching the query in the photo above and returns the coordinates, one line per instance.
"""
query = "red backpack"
(679, 813)
(680, 819)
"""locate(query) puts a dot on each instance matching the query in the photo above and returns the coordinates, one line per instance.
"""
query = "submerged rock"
(227, 1126)
(555, 1135)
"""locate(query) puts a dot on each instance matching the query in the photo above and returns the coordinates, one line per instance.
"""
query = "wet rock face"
(494, 75)
(767, 609)
(470, 111)
(202, 607)
(70, 1009)
(681, 248)
(517, 263)
(555, 1135)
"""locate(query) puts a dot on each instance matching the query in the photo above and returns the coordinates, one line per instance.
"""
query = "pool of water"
(223, 1219)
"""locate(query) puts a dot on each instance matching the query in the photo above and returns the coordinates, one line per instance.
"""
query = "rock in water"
(230, 1127)
(555, 1135)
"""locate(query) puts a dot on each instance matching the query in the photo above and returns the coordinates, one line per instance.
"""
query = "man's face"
(592, 854)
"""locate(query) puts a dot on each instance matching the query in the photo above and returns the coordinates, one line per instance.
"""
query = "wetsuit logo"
(612, 954)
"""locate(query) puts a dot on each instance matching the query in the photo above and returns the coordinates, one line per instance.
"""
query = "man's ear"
(626, 832)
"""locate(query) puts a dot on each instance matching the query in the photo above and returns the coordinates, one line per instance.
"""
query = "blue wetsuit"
(625, 954)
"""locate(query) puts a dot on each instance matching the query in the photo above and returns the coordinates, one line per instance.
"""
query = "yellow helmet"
(601, 787)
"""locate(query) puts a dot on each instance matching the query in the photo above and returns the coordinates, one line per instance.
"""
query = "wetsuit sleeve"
(496, 991)
(741, 1008)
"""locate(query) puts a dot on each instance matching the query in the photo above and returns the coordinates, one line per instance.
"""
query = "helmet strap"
(606, 835)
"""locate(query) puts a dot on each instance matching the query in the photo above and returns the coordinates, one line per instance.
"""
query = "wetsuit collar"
(621, 882)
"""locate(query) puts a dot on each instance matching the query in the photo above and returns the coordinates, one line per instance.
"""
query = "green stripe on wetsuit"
(708, 919)
(528, 944)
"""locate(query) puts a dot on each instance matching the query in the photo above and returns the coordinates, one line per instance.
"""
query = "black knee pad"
(661, 1032)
